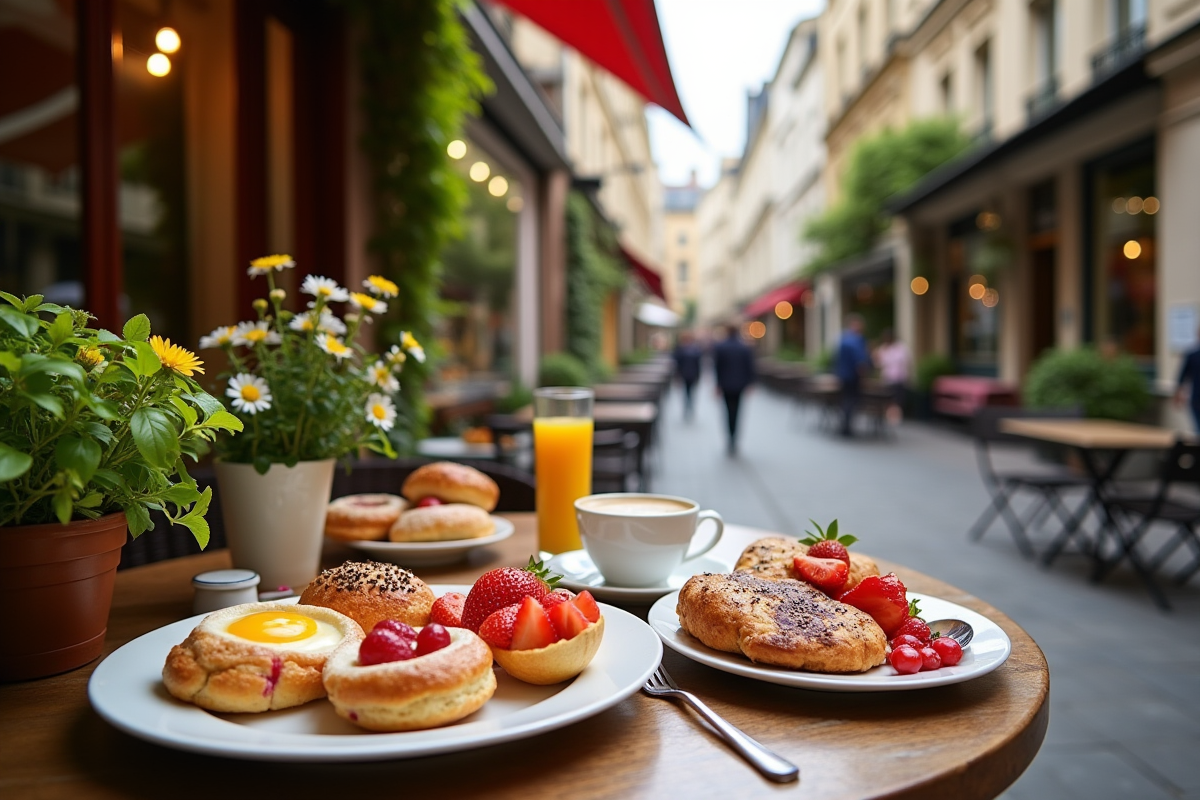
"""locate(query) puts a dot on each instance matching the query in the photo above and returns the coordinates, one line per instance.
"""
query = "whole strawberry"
(505, 587)
(827, 544)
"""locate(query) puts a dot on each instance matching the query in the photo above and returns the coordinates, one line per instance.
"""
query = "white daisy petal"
(250, 393)
(324, 287)
(218, 338)
(380, 374)
(248, 334)
(334, 346)
(380, 411)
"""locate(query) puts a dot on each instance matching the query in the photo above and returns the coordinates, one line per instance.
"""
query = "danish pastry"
(371, 591)
(363, 517)
(771, 559)
(442, 523)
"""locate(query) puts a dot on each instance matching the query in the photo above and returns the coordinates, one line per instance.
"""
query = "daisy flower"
(90, 357)
(302, 322)
(396, 357)
(367, 303)
(333, 345)
(410, 343)
(331, 324)
(250, 393)
(252, 333)
(267, 264)
(381, 286)
(323, 287)
(176, 358)
(219, 337)
(380, 374)
(380, 411)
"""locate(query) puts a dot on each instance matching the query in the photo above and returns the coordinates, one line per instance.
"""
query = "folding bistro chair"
(1181, 466)
(1005, 485)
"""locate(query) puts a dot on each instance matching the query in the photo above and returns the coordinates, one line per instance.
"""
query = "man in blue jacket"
(734, 363)
(850, 365)
(687, 367)
(1189, 380)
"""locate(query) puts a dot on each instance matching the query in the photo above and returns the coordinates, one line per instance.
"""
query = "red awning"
(792, 293)
(648, 276)
(622, 36)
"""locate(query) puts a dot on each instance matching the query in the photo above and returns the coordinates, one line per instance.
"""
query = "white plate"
(579, 573)
(987, 651)
(126, 689)
(429, 554)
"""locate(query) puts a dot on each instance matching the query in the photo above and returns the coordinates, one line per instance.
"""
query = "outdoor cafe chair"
(615, 461)
(1004, 485)
(1180, 467)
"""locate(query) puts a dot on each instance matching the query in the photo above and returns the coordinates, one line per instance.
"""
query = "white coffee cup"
(638, 539)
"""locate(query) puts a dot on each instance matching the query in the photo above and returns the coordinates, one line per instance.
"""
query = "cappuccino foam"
(635, 506)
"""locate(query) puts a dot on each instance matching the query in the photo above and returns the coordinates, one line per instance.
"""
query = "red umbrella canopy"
(622, 36)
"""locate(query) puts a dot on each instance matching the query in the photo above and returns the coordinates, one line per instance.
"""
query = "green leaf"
(831, 531)
(208, 404)
(199, 528)
(847, 540)
(107, 479)
(155, 437)
(186, 411)
(53, 308)
(138, 518)
(12, 299)
(79, 454)
(105, 409)
(262, 464)
(107, 337)
(46, 401)
(98, 430)
(225, 421)
(182, 494)
(90, 500)
(146, 363)
(10, 361)
(35, 364)
(63, 505)
(33, 301)
(21, 323)
(61, 329)
(137, 329)
(13, 463)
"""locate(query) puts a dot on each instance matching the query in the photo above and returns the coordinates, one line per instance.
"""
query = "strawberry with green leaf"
(826, 543)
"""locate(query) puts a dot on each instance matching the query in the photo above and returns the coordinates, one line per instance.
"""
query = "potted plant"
(308, 394)
(93, 435)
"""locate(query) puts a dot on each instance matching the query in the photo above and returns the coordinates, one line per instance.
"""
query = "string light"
(158, 65)
(977, 291)
(1132, 249)
(456, 149)
(1133, 205)
(497, 186)
(167, 40)
(990, 298)
(1118, 205)
(919, 285)
(756, 329)
(1150, 205)
(480, 171)
(515, 204)
(783, 309)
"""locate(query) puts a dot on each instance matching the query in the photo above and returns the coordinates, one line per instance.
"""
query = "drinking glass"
(562, 445)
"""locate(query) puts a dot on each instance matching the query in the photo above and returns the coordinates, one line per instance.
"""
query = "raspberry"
(433, 637)
(402, 629)
(384, 645)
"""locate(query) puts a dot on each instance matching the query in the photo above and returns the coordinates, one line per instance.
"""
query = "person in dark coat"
(734, 363)
(1189, 380)
(850, 365)
(687, 368)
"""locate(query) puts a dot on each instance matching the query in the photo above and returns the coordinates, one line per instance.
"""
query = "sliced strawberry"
(503, 587)
(557, 596)
(587, 604)
(497, 629)
(532, 629)
(884, 598)
(447, 610)
(827, 574)
(568, 620)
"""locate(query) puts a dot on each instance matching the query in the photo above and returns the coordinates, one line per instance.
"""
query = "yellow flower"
(377, 284)
(367, 303)
(176, 358)
(266, 264)
(89, 356)
(334, 346)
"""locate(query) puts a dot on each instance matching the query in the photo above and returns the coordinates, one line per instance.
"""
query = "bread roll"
(370, 591)
(452, 483)
(442, 523)
(363, 517)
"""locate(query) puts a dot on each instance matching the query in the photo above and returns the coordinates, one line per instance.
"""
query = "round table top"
(968, 740)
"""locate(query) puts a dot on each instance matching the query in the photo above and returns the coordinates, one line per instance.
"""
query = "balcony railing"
(1043, 99)
(1125, 49)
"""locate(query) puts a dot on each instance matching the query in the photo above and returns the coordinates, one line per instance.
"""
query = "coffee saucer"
(579, 573)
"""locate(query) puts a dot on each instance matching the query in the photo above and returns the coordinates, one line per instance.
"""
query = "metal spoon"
(956, 629)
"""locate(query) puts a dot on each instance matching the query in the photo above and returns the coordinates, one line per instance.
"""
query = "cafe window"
(40, 244)
(1124, 207)
(974, 312)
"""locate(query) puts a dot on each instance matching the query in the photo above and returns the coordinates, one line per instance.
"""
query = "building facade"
(681, 248)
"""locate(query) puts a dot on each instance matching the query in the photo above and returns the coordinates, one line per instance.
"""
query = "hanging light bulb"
(167, 40)
(158, 65)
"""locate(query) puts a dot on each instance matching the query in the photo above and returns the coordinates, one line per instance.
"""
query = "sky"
(719, 50)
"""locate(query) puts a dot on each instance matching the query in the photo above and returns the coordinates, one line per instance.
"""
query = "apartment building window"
(1045, 57)
(1127, 15)
(682, 238)
(947, 91)
(1127, 20)
(983, 88)
(863, 36)
(683, 273)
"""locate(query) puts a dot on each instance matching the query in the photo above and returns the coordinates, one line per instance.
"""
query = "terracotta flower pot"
(56, 581)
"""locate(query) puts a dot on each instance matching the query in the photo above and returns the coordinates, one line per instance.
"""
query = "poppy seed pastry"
(451, 483)
(371, 591)
(442, 523)
(257, 657)
(363, 517)
(772, 560)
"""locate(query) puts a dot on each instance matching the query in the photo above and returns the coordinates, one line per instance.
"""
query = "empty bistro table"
(968, 740)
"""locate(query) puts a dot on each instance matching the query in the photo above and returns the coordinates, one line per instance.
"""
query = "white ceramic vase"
(274, 523)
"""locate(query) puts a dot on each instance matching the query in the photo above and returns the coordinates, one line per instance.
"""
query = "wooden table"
(1102, 445)
(970, 740)
(625, 392)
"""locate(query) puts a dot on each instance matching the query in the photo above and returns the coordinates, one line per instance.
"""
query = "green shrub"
(932, 367)
(825, 360)
(519, 396)
(634, 357)
(1112, 388)
(563, 369)
(789, 352)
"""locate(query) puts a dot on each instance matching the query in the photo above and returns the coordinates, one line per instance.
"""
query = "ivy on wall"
(420, 79)
(593, 272)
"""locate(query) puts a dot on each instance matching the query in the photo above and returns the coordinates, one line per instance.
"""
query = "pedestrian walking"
(894, 361)
(687, 368)
(850, 363)
(1189, 381)
(733, 361)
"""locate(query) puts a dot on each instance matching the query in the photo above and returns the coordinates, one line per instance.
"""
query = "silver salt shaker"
(223, 588)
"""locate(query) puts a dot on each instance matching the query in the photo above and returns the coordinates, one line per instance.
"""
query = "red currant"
(432, 637)
(930, 659)
(906, 660)
(402, 629)
(383, 645)
(950, 650)
(426, 502)
(908, 639)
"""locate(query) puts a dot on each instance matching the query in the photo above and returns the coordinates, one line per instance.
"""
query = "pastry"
(786, 623)
(451, 483)
(257, 657)
(370, 591)
(771, 559)
(555, 662)
(442, 523)
(363, 517)
(421, 692)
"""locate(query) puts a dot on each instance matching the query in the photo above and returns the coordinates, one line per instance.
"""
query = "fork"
(770, 765)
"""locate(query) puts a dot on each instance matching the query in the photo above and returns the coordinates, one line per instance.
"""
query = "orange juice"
(563, 453)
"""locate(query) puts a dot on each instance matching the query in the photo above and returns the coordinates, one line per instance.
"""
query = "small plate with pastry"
(299, 682)
(443, 512)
